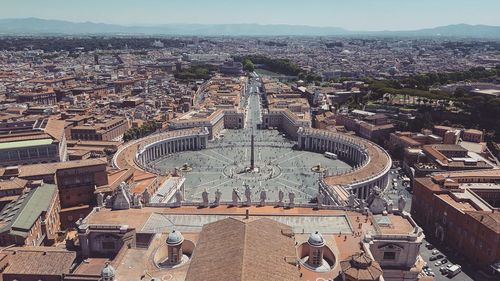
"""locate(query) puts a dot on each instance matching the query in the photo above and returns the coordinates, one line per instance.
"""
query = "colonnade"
(172, 145)
(351, 150)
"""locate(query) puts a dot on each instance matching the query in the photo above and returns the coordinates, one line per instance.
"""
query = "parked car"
(438, 263)
(429, 246)
(443, 261)
(433, 258)
(435, 252)
(439, 256)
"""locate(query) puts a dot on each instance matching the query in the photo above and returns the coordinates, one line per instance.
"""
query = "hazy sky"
(350, 14)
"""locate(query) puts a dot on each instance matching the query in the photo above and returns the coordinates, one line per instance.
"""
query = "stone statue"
(390, 205)
(263, 197)
(401, 203)
(121, 200)
(100, 200)
(204, 197)
(291, 197)
(235, 197)
(248, 195)
(218, 195)
(281, 195)
(375, 201)
(320, 198)
(136, 199)
(178, 197)
(146, 197)
(109, 201)
(352, 200)
(362, 205)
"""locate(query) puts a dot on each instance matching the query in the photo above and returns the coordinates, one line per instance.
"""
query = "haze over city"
(362, 15)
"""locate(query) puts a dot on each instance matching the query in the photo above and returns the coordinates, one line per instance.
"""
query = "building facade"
(453, 208)
(32, 219)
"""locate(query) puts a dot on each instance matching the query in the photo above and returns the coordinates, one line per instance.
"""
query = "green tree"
(248, 65)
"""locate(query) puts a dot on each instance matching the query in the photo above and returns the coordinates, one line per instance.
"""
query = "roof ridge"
(245, 236)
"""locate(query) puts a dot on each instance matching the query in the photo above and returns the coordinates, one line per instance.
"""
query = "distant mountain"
(455, 30)
(35, 26)
(42, 26)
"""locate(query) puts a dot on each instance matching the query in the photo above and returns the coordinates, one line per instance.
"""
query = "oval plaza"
(223, 157)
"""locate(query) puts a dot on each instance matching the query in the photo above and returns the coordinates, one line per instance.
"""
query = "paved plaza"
(220, 167)
(223, 164)
(159, 223)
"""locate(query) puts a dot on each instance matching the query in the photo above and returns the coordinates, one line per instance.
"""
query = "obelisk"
(252, 159)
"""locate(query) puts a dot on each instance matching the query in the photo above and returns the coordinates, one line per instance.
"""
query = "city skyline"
(371, 17)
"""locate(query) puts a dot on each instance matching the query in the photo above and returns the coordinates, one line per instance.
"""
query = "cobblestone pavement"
(222, 164)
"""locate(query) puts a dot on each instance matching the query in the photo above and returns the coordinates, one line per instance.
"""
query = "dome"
(316, 239)
(108, 272)
(175, 238)
(360, 264)
(361, 260)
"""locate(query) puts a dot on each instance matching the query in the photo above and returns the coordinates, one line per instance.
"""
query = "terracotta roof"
(361, 267)
(233, 249)
(23, 137)
(15, 183)
(473, 131)
(39, 261)
(484, 174)
(434, 153)
(490, 220)
(51, 168)
(55, 128)
(379, 159)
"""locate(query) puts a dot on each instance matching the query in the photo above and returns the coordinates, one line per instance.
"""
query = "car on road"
(436, 257)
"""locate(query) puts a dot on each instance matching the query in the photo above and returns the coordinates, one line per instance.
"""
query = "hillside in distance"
(36, 26)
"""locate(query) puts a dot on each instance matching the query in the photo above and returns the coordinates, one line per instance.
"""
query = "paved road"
(254, 114)
(427, 253)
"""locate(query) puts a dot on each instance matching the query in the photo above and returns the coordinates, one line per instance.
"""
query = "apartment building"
(38, 140)
(111, 129)
(32, 219)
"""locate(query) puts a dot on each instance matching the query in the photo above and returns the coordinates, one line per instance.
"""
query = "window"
(316, 257)
(389, 255)
(23, 153)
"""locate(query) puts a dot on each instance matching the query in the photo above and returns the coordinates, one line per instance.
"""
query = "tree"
(248, 65)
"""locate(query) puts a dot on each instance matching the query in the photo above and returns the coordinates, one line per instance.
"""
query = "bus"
(331, 155)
